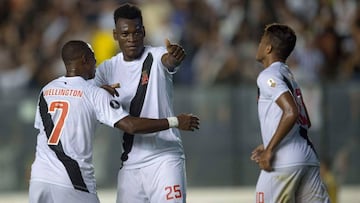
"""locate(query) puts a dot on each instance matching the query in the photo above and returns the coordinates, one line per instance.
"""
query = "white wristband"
(173, 122)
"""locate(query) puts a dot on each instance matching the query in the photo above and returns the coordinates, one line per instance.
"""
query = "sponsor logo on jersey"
(114, 104)
(271, 82)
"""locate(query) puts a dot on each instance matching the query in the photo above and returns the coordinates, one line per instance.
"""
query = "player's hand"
(174, 56)
(265, 160)
(255, 154)
(188, 122)
(111, 89)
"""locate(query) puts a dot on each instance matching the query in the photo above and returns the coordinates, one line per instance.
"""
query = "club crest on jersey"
(114, 104)
(144, 78)
(271, 82)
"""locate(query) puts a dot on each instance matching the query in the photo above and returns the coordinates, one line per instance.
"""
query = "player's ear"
(143, 29)
(268, 48)
(115, 35)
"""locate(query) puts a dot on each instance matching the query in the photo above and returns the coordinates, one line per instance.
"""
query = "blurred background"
(217, 80)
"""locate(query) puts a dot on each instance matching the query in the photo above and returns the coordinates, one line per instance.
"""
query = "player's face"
(261, 52)
(90, 65)
(130, 35)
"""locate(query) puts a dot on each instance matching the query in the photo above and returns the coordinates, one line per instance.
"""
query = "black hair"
(282, 38)
(73, 50)
(128, 11)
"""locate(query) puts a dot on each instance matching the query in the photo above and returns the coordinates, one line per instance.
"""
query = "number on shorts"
(260, 197)
(173, 192)
(62, 106)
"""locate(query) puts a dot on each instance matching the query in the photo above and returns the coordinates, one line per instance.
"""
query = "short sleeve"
(108, 109)
(271, 85)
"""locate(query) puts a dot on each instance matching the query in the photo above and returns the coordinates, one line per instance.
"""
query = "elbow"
(131, 129)
(291, 115)
(129, 125)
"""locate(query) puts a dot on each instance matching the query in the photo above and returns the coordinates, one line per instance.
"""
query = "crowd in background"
(220, 37)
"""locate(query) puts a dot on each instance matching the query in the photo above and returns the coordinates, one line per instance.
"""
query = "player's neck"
(128, 58)
(267, 62)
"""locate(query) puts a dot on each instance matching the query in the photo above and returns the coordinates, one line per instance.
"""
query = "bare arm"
(134, 125)
(287, 121)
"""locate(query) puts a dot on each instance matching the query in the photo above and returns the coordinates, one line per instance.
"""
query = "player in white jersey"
(68, 112)
(153, 164)
(290, 166)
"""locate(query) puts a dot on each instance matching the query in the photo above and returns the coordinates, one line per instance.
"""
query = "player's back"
(66, 121)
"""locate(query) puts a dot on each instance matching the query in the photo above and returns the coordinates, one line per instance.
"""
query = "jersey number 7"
(63, 107)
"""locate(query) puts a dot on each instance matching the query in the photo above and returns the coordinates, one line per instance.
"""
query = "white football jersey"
(144, 149)
(68, 111)
(296, 148)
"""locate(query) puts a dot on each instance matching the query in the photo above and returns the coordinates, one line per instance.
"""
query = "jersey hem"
(297, 164)
(153, 161)
(58, 184)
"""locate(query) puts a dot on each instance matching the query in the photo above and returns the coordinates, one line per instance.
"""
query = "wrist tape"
(173, 122)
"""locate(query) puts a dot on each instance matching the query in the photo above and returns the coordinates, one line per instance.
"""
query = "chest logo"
(144, 78)
(271, 82)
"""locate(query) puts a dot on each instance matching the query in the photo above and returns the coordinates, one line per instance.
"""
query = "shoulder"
(108, 63)
(156, 50)
(51, 83)
(271, 77)
(269, 73)
(94, 90)
(97, 96)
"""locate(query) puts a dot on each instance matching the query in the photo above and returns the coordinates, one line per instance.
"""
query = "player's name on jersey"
(63, 92)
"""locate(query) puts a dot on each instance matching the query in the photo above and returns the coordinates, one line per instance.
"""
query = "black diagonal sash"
(137, 104)
(71, 166)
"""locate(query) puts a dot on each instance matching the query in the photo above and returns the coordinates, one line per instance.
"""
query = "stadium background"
(217, 81)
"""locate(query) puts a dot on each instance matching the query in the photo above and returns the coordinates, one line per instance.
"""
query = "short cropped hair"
(73, 50)
(128, 11)
(282, 38)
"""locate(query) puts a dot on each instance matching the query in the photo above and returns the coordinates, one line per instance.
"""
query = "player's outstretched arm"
(135, 125)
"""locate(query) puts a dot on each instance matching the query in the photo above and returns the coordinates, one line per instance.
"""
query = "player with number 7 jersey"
(68, 112)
